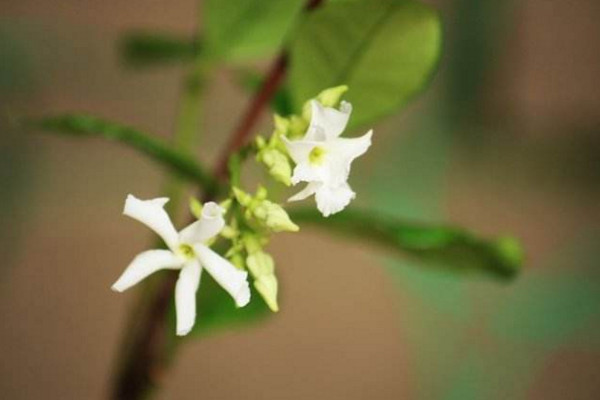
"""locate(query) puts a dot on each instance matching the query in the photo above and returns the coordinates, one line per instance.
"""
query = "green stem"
(188, 128)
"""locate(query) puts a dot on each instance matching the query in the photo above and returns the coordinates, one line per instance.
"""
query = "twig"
(150, 346)
(259, 101)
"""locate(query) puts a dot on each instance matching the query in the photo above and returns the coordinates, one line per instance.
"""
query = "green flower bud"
(298, 126)
(273, 216)
(260, 142)
(328, 98)
(252, 242)
(260, 263)
(281, 125)
(225, 204)
(267, 287)
(238, 260)
(261, 193)
(242, 197)
(331, 97)
(229, 232)
(195, 207)
(277, 164)
(262, 268)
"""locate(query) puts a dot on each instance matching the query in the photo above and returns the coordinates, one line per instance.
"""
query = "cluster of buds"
(302, 148)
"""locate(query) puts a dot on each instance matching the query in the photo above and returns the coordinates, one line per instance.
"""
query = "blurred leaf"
(449, 248)
(85, 125)
(147, 49)
(248, 29)
(384, 50)
(479, 29)
(557, 303)
(281, 103)
(416, 158)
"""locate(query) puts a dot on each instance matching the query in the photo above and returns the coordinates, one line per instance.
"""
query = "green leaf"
(85, 125)
(445, 247)
(216, 309)
(384, 50)
(248, 29)
(148, 49)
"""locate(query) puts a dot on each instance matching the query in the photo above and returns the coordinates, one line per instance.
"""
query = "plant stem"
(244, 129)
(148, 345)
(187, 128)
(268, 89)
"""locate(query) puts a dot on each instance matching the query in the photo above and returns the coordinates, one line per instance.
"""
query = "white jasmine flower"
(187, 252)
(323, 158)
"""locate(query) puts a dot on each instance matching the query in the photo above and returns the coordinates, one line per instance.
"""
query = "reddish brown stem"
(146, 355)
(268, 89)
(257, 104)
(145, 358)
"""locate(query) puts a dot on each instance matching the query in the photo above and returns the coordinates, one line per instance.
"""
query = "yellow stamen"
(317, 155)
(187, 251)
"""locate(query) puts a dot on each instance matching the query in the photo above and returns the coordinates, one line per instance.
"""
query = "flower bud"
(298, 126)
(242, 197)
(262, 268)
(331, 97)
(328, 98)
(277, 164)
(260, 263)
(195, 207)
(273, 216)
(267, 287)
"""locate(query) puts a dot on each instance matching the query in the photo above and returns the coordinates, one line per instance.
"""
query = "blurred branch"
(141, 49)
(260, 100)
(85, 126)
(149, 345)
(449, 248)
(245, 128)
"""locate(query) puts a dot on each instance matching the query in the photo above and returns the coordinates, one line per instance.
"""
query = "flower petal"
(211, 222)
(332, 199)
(327, 120)
(308, 190)
(343, 152)
(152, 214)
(145, 264)
(185, 296)
(233, 280)
(351, 148)
(305, 172)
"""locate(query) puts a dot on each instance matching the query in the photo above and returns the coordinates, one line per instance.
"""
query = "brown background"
(340, 332)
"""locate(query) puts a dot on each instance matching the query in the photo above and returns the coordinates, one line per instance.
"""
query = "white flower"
(323, 158)
(187, 252)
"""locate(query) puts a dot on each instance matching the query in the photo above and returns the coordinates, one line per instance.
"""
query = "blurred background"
(506, 140)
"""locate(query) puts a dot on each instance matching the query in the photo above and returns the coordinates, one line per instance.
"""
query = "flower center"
(187, 251)
(316, 155)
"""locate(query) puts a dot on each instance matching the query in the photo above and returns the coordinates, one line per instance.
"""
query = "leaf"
(144, 49)
(216, 310)
(384, 50)
(147, 49)
(85, 125)
(445, 247)
(248, 29)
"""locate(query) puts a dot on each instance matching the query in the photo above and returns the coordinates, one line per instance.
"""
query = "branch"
(245, 128)
(81, 125)
(452, 249)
